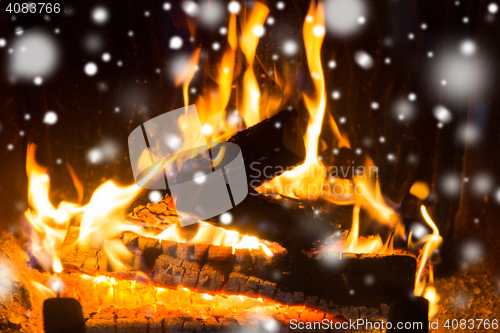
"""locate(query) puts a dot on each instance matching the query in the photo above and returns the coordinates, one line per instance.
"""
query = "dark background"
(87, 119)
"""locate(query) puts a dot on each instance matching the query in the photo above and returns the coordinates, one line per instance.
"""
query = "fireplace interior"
(368, 138)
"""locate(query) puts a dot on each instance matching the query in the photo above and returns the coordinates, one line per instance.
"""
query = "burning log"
(291, 279)
(271, 146)
(293, 223)
(268, 148)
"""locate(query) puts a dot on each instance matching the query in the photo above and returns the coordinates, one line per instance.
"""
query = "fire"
(252, 29)
(49, 224)
(306, 180)
(209, 234)
(424, 287)
(103, 218)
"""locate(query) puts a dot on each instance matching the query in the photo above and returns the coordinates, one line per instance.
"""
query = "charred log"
(293, 223)
(292, 279)
(271, 146)
(268, 148)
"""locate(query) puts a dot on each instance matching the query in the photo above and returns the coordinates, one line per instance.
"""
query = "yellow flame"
(431, 243)
(211, 106)
(432, 296)
(209, 234)
(249, 40)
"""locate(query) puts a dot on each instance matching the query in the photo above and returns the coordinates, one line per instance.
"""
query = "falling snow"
(90, 69)
(154, 196)
(290, 47)
(442, 114)
(345, 17)
(50, 118)
(234, 7)
(493, 8)
(363, 59)
(226, 218)
(106, 57)
(100, 15)
(175, 43)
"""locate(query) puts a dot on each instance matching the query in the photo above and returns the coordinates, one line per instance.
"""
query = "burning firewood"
(268, 148)
(290, 278)
(293, 223)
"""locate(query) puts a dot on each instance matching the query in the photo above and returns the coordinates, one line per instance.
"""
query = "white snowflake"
(468, 48)
(259, 31)
(90, 69)
(106, 57)
(234, 7)
(442, 114)
(493, 8)
(363, 59)
(38, 80)
(290, 47)
(226, 218)
(154, 196)
(345, 17)
(100, 15)
(50, 118)
(175, 43)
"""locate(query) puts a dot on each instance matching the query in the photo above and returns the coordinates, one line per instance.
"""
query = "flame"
(209, 234)
(49, 224)
(306, 180)
(249, 41)
(102, 219)
(211, 105)
(423, 286)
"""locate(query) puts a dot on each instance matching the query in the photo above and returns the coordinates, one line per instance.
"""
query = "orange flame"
(306, 180)
(251, 32)
(423, 286)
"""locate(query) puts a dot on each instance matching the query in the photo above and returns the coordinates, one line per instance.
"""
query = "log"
(292, 278)
(276, 143)
(268, 148)
(293, 223)
(171, 320)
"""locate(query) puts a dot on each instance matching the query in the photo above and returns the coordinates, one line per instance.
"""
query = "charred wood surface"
(271, 146)
(293, 223)
(292, 279)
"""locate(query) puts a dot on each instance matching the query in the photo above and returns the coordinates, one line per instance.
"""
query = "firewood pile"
(111, 305)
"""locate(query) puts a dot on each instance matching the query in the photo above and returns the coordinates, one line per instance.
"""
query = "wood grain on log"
(292, 279)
